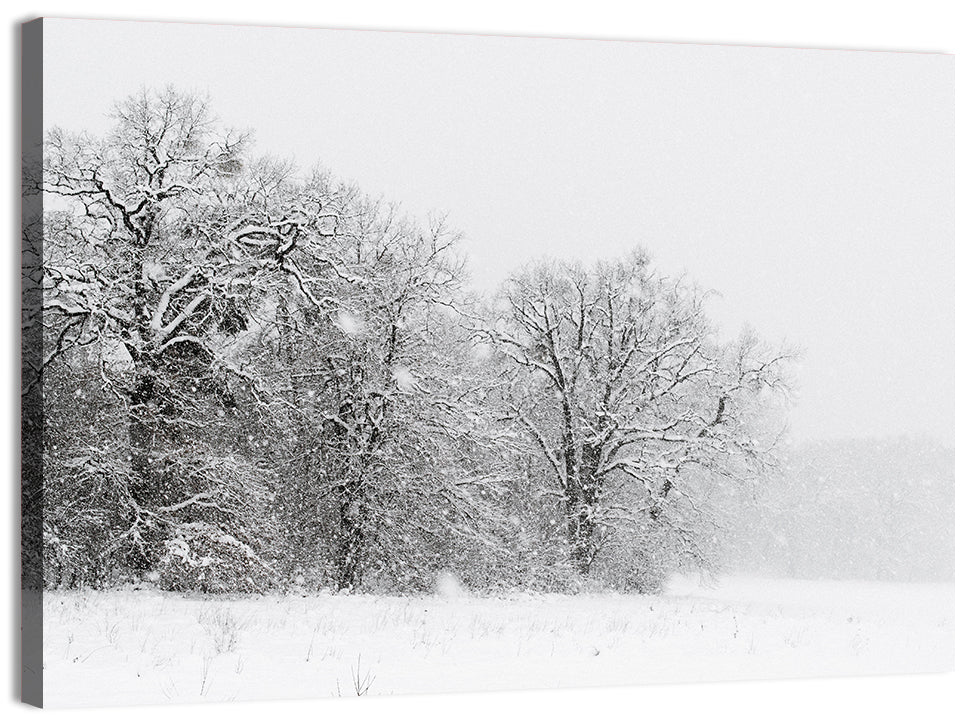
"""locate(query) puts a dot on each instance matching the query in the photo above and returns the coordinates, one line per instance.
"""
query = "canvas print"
(367, 363)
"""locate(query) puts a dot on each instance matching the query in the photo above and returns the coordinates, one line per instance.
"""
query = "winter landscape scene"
(385, 363)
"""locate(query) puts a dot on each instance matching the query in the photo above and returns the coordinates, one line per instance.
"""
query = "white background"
(922, 25)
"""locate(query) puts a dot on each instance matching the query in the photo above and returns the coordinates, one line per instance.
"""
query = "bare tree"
(618, 380)
(146, 265)
(373, 386)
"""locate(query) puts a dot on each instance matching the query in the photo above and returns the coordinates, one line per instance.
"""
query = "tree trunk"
(142, 411)
(352, 535)
(581, 531)
(144, 487)
(357, 440)
(582, 496)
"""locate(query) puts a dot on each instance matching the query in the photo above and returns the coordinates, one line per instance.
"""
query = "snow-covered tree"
(632, 403)
(145, 275)
(252, 375)
(244, 323)
(380, 418)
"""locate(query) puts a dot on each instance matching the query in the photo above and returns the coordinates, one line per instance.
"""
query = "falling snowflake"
(349, 323)
(404, 380)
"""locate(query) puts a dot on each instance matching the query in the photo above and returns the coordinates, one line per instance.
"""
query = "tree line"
(872, 508)
(255, 377)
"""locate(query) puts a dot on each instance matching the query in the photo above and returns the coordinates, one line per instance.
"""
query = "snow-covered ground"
(130, 647)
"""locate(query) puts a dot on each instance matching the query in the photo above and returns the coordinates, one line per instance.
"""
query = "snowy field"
(130, 647)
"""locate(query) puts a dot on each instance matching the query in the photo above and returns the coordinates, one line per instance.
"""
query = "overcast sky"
(812, 188)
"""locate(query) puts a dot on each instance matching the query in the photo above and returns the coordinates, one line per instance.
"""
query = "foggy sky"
(812, 189)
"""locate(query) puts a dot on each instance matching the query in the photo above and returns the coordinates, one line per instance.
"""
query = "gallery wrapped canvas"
(363, 363)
